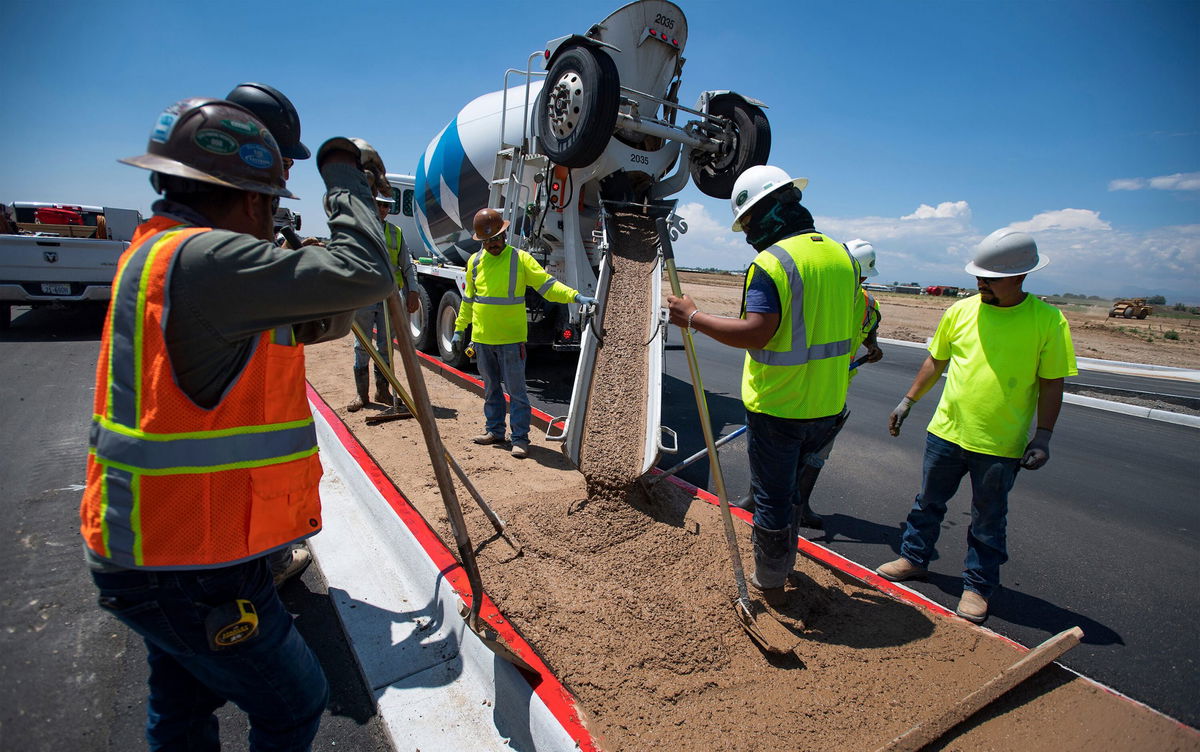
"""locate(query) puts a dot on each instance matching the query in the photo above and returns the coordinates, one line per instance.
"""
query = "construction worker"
(203, 454)
(865, 336)
(800, 313)
(1008, 354)
(493, 305)
(372, 317)
(274, 110)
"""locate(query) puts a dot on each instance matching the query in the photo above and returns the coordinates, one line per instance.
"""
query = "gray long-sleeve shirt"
(227, 288)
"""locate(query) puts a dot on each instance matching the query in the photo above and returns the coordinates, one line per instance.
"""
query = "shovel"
(441, 471)
(766, 631)
(498, 524)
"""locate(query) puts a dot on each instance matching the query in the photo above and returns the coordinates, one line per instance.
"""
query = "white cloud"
(1063, 219)
(1126, 184)
(944, 210)
(1180, 181)
(708, 242)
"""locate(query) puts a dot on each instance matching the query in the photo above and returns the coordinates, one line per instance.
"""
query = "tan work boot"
(301, 558)
(972, 607)
(520, 451)
(488, 438)
(899, 570)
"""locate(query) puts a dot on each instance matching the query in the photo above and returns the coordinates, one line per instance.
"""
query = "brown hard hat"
(488, 224)
(214, 141)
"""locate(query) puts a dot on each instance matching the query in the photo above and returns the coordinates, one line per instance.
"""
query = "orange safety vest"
(170, 484)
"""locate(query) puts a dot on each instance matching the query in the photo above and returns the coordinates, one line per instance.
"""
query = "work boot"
(772, 558)
(810, 519)
(362, 385)
(382, 395)
(300, 558)
(488, 438)
(972, 607)
(520, 451)
(899, 570)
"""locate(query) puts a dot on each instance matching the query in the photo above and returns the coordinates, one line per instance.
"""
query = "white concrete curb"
(437, 686)
(1166, 416)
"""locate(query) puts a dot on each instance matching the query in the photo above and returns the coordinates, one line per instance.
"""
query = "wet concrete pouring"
(627, 596)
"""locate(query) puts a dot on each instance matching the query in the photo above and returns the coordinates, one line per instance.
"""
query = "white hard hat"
(753, 184)
(1006, 253)
(864, 253)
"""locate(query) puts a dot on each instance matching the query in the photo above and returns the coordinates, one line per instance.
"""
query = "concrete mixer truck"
(601, 121)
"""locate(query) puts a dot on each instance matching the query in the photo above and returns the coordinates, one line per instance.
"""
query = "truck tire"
(576, 110)
(419, 323)
(1128, 312)
(752, 146)
(1142, 314)
(447, 313)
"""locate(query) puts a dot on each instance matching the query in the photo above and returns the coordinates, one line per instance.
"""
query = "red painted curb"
(546, 685)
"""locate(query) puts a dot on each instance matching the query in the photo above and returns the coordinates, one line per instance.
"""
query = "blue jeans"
(991, 479)
(273, 677)
(504, 364)
(778, 449)
(369, 318)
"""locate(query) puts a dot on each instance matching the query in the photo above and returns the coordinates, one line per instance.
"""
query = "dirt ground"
(914, 318)
(629, 599)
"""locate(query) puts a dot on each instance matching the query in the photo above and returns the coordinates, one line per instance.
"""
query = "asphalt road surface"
(72, 677)
(1102, 537)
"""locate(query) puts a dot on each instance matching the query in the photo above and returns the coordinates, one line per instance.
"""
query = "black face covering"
(784, 218)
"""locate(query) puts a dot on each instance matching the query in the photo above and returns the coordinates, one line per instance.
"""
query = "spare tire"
(576, 110)
(751, 147)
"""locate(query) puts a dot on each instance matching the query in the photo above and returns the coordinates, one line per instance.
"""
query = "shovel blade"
(765, 630)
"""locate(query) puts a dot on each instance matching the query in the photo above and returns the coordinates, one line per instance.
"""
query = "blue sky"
(922, 126)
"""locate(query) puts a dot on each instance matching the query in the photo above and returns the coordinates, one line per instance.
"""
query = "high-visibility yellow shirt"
(402, 265)
(803, 370)
(996, 357)
(493, 303)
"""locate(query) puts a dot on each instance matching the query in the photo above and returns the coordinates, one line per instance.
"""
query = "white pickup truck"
(62, 254)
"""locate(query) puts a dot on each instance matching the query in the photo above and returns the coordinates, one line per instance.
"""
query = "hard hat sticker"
(741, 197)
(250, 129)
(256, 155)
(215, 141)
(163, 127)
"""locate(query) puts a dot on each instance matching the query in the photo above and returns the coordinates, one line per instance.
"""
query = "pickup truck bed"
(47, 270)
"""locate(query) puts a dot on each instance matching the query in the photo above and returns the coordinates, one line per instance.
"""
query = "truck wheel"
(447, 313)
(419, 322)
(577, 107)
(1143, 314)
(1128, 312)
(751, 147)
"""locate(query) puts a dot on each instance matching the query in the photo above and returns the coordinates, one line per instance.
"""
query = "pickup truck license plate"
(54, 288)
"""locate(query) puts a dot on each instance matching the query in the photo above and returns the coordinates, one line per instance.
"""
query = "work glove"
(896, 419)
(456, 340)
(1037, 452)
(582, 299)
(372, 164)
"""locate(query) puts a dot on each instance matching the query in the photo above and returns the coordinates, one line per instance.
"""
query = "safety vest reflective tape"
(802, 372)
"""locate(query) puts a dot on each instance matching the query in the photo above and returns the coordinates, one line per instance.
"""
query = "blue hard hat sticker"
(163, 127)
(256, 155)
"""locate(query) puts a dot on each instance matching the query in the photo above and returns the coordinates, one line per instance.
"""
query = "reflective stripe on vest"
(800, 352)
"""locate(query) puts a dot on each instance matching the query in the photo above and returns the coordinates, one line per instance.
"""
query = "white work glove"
(582, 299)
(456, 340)
(1037, 452)
(896, 419)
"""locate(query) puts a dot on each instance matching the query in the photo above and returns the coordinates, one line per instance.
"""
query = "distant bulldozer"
(1129, 309)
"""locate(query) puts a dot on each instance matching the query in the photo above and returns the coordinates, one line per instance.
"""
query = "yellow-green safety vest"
(493, 303)
(803, 370)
